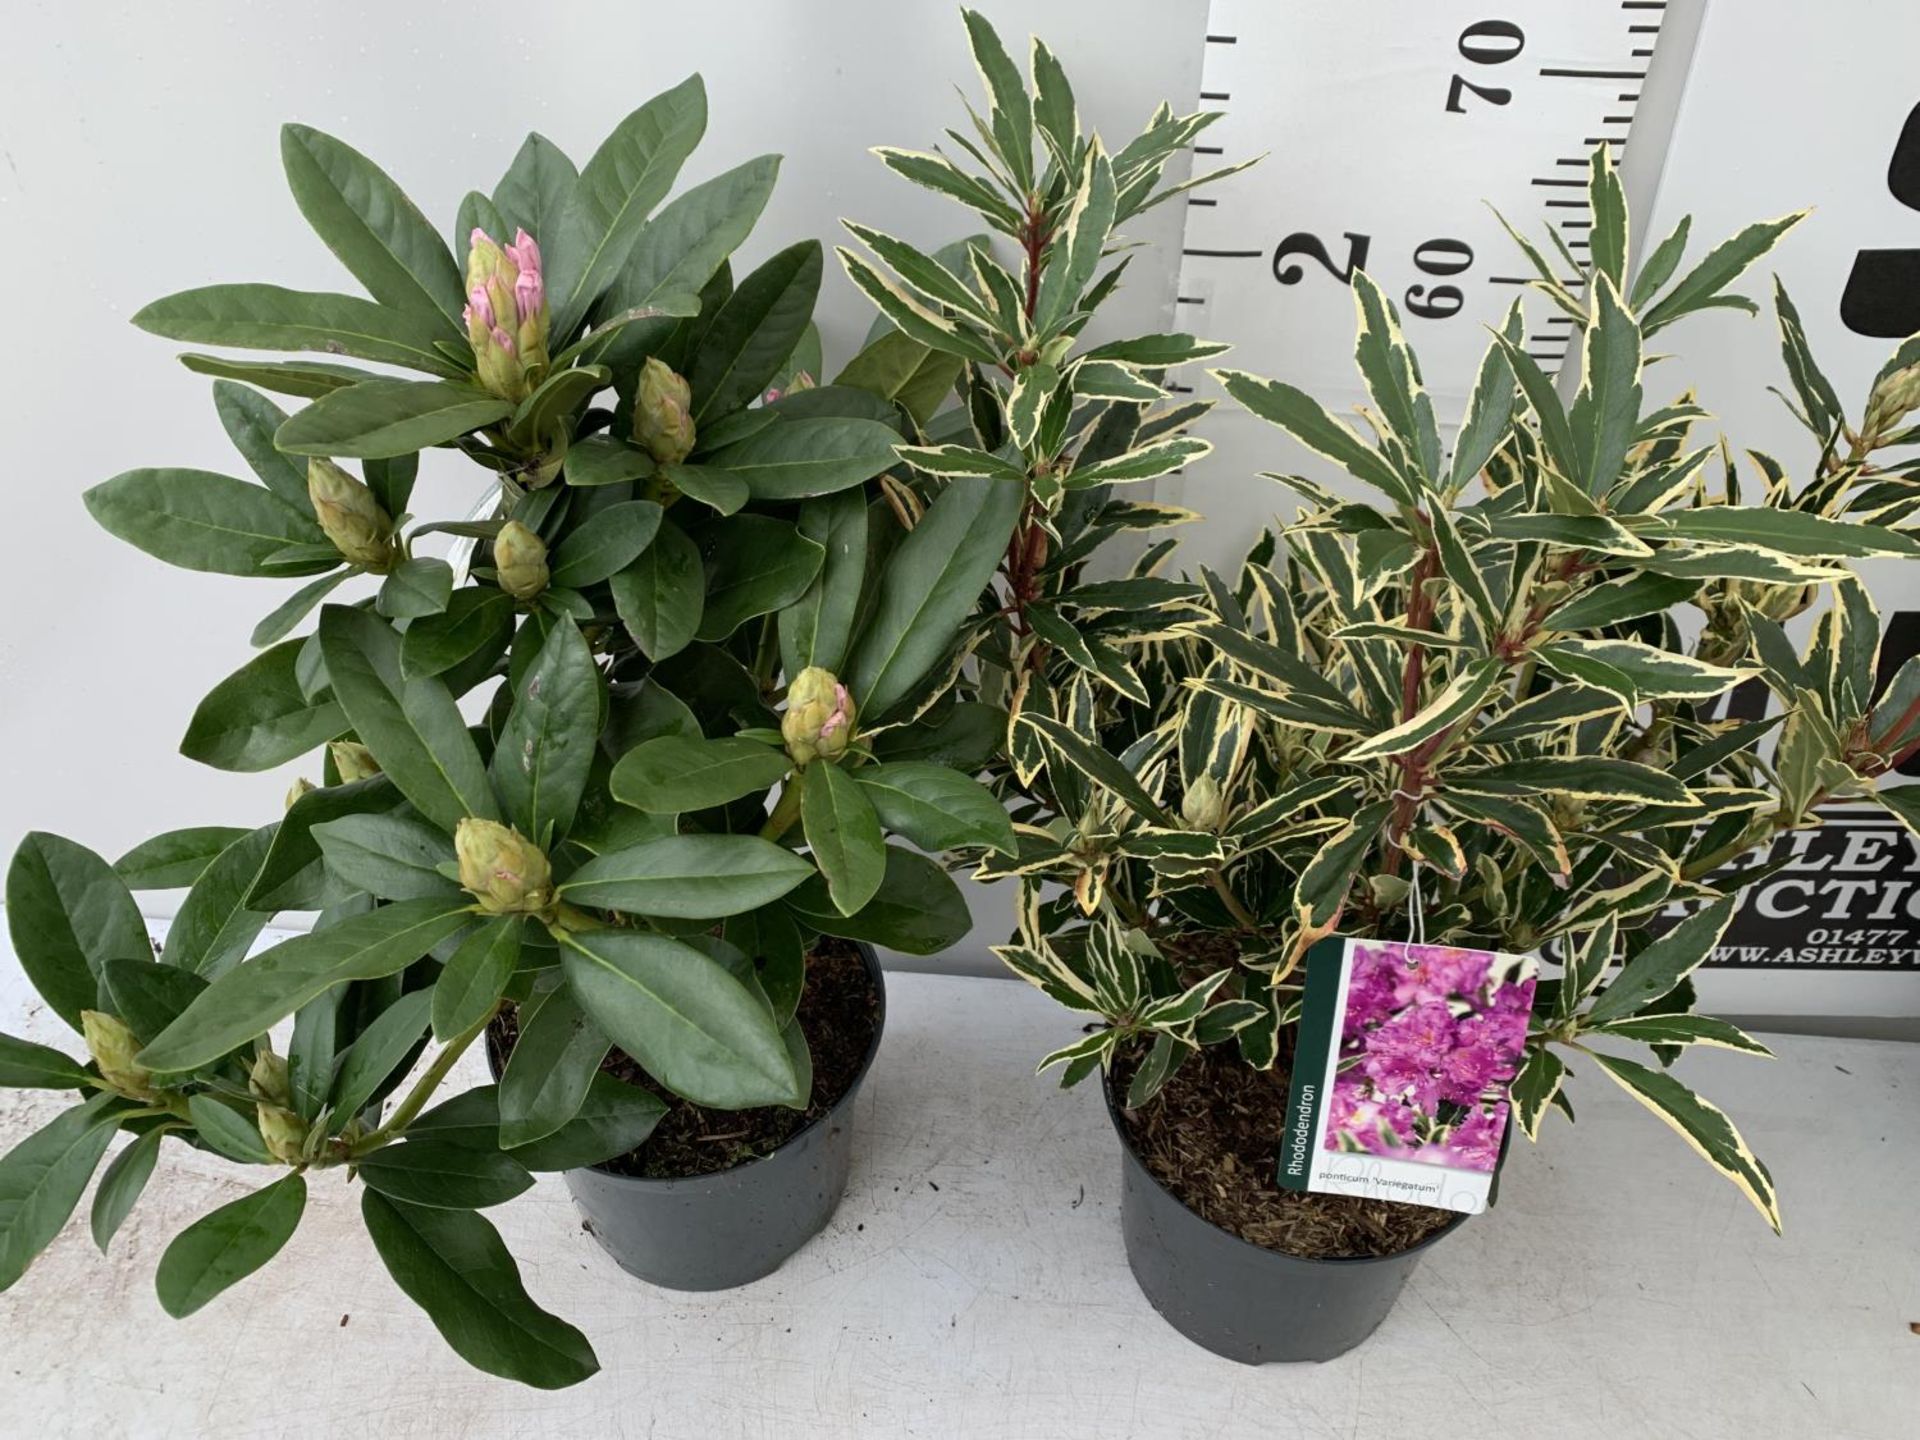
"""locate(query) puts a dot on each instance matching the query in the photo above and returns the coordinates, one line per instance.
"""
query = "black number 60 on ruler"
(1440, 257)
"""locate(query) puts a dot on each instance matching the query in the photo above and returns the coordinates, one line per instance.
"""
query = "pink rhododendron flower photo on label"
(1430, 1039)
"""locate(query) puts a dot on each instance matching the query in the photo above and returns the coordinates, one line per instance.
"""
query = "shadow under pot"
(1245, 1301)
(736, 1222)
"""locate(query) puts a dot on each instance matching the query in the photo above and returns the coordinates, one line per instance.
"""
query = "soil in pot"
(1212, 1137)
(839, 1009)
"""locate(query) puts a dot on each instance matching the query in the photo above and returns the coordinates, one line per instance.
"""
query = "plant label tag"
(1401, 1070)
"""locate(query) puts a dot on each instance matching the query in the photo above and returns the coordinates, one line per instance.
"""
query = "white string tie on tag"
(1416, 909)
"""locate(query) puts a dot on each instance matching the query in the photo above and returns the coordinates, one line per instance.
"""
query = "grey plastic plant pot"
(1240, 1300)
(714, 1232)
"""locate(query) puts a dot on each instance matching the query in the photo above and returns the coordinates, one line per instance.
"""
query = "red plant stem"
(1907, 717)
(1411, 788)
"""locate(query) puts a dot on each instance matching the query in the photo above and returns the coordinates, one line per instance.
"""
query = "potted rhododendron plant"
(1426, 735)
(614, 796)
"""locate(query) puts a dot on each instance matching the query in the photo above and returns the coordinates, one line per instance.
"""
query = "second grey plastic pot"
(1242, 1300)
(713, 1232)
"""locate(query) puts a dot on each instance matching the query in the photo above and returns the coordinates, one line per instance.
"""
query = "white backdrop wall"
(138, 156)
(141, 157)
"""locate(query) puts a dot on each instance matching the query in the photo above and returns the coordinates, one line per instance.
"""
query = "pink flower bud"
(842, 708)
(529, 295)
(525, 252)
(507, 315)
(820, 717)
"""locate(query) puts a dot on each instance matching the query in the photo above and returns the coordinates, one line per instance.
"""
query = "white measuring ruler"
(1387, 123)
(1389, 127)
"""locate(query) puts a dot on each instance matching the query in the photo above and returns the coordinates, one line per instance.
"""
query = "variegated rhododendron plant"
(1478, 704)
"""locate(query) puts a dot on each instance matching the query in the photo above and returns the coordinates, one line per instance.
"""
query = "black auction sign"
(1846, 897)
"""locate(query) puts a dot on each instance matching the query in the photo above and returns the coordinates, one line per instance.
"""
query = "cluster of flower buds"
(663, 413)
(282, 1130)
(820, 717)
(520, 561)
(1892, 400)
(113, 1046)
(351, 517)
(507, 314)
(353, 761)
(502, 869)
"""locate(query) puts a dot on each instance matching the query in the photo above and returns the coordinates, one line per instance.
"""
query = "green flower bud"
(663, 413)
(507, 315)
(268, 1079)
(1893, 399)
(1493, 883)
(820, 717)
(113, 1047)
(284, 1132)
(502, 869)
(297, 789)
(519, 561)
(353, 520)
(353, 760)
(1203, 806)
